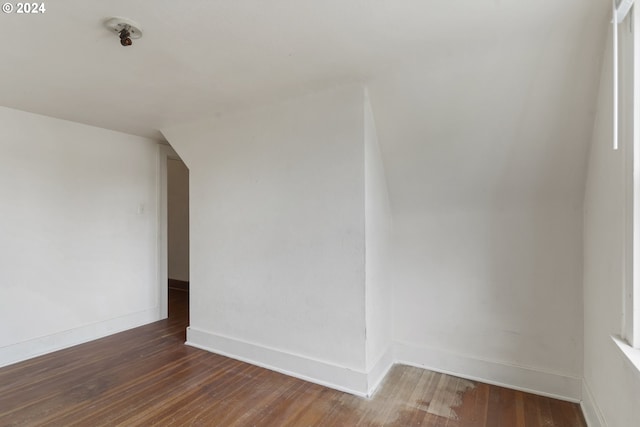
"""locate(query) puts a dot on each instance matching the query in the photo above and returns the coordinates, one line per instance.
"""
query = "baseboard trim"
(590, 410)
(305, 368)
(25, 350)
(364, 384)
(379, 371)
(526, 379)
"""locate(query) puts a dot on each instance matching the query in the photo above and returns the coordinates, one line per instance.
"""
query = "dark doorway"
(177, 230)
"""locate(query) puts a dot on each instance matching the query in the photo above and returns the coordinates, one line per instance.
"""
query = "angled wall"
(79, 233)
(278, 235)
(486, 150)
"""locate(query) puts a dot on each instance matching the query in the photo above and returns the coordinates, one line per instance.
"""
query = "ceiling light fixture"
(127, 29)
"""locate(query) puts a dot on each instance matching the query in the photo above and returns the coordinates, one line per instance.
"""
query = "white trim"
(165, 152)
(303, 367)
(162, 221)
(39, 346)
(376, 375)
(630, 237)
(631, 327)
(592, 413)
(530, 380)
(622, 10)
(364, 384)
(632, 355)
(615, 23)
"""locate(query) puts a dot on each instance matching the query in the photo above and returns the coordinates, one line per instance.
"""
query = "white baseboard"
(19, 352)
(352, 381)
(305, 368)
(491, 372)
(379, 371)
(590, 409)
(365, 383)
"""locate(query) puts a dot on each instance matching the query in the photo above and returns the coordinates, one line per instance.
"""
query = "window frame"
(631, 136)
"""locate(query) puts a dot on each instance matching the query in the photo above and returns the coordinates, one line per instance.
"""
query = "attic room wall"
(492, 294)
(278, 235)
(486, 175)
(78, 246)
(611, 384)
(378, 229)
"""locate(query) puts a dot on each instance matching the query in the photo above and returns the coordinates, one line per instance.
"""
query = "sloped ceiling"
(490, 99)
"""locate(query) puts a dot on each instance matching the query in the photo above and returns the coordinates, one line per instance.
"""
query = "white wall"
(486, 169)
(278, 235)
(612, 386)
(78, 233)
(178, 219)
(378, 228)
(499, 287)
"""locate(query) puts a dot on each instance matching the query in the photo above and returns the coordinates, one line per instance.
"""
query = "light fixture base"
(118, 24)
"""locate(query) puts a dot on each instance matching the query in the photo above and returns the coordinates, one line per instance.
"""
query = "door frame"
(165, 153)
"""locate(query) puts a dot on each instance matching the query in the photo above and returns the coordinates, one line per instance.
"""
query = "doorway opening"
(176, 285)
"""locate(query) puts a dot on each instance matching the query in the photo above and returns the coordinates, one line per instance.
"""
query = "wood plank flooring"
(147, 376)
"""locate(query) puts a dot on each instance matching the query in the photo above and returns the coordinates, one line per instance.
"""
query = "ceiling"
(451, 82)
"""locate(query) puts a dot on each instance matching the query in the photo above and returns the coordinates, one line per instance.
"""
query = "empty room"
(320, 213)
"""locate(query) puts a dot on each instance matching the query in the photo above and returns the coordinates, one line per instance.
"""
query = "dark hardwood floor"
(147, 376)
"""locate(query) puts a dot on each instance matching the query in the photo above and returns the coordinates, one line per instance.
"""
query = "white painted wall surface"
(78, 233)
(178, 219)
(486, 168)
(378, 228)
(612, 385)
(278, 230)
(494, 285)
